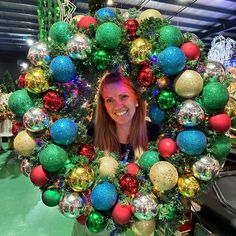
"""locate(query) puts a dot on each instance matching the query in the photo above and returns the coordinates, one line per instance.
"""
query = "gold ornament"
(144, 227)
(163, 175)
(107, 166)
(77, 18)
(139, 50)
(163, 82)
(80, 179)
(232, 90)
(35, 81)
(230, 107)
(149, 13)
(188, 186)
(24, 143)
(188, 84)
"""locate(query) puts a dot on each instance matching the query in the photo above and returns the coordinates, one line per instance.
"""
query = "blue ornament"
(153, 56)
(63, 131)
(172, 61)
(63, 69)
(103, 196)
(192, 142)
(156, 115)
(105, 13)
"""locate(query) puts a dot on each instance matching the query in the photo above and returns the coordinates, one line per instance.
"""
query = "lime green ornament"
(214, 96)
(108, 35)
(60, 32)
(148, 159)
(53, 158)
(95, 222)
(20, 102)
(101, 59)
(170, 36)
(166, 99)
(166, 211)
(51, 197)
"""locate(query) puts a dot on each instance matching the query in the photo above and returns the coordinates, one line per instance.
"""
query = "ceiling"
(19, 21)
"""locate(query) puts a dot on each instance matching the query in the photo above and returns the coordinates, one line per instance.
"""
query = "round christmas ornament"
(77, 18)
(189, 113)
(36, 120)
(51, 197)
(105, 13)
(133, 168)
(139, 50)
(37, 53)
(163, 82)
(24, 143)
(21, 80)
(148, 159)
(129, 184)
(171, 61)
(25, 167)
(163, 175)
(149, 13)
(86, 21)
(63, 69)
(63, 131)
(95, 222)
(191, 51)
(153, 56)
(88, 151)
(192, 142)
(105, 191)
(53, 101)
(170, 36)
(79, 46)
(220, 123)
(38, 176)
(188, 84)
(108, 35)
(53, 158)
(101, 59)
(60, 32)
(121, 214)
(166, 99)
(146, 78)
(206, 168)
(156, 115)
(232, 90)
(144, 227)
(167, 147)
(230, 107)
(80, 178)
(188, 186)
(131, 26)
(72, 205)
(107, 166)
(145, 207)
(17, 126)
(20, 102)
(215, 69)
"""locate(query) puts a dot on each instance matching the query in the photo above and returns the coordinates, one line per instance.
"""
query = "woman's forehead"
(116, 88)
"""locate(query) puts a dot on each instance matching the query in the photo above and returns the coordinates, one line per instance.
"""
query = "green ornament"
(166, 99)
(101, 59)
(53, 158)
(108, 35)
(170, 36)
(51, 197)
(60, 32)
(20, 102)
(166, 211)
(148, 159)
(95, 222)
(214, 96)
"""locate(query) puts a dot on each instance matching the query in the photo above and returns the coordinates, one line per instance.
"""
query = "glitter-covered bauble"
(148, 159)
(166, 99)
(145, 207)
(220, 123)
(105, 191)
(146, 78)
(36, 120)
(188, 186)
(101, 59)
(191, 51)
(79, 46)
(188, 84)
(53, 158)
(139, 50)
(167, 147)
(87, 150)
(95, 222)
(108, 166)
(20, 102)
(189, 113)
(25, 167)
(21, 80)
(230, 107)
(37, 54)
(60, 32)
(192, 142)
(63, 131)
(206, 168)
(86, 21)
(133, 168)
(163, 82)
(105, 13)
(156, 115)
(171, 61)
(163, 175)
(72, 205)
(51, 197)
(144, 227)
(170, 35)
(121, 214)
(129, 184)
(215, 69)
(63, 69)
(80, 178)
(131, 26)
(53, 101)
(149, 13)
(108, 35)
(38, 176)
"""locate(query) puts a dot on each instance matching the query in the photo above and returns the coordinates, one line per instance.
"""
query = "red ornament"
(53, 101)
(146, 78)
(38, 176)
(131, 26)
(87, 150)
(21, 80)
(220, 123)
(133, 168)
(191, 51)
(17, 126)
(167, 147)
(85, 21)
(121, 214)
(129, 184)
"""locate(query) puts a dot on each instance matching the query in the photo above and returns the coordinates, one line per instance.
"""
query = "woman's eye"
(108, 100)
(124, 96)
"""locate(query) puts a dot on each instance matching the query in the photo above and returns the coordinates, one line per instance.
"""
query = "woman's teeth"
(121, 113)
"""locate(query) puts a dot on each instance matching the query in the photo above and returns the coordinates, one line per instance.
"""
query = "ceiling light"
(110, 2)
(30, 41)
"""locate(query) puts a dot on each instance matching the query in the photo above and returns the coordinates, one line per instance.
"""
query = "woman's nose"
(117, 103)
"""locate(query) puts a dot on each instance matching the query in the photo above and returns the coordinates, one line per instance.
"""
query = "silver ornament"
(25, 167)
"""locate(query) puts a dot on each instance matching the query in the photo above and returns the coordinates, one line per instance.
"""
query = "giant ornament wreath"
(186, 98)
